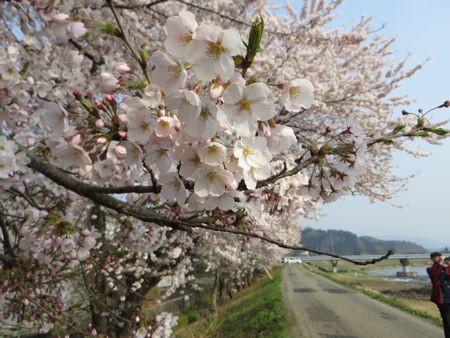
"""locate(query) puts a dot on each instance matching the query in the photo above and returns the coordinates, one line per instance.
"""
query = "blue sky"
(422, 29)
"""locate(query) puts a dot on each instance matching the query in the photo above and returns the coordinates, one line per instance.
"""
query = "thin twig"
(124, 38)
(96, 62)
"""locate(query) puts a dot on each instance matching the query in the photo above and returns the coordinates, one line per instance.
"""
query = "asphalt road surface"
(321, 308)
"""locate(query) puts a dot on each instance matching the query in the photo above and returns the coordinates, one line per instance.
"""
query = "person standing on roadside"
(439, 274)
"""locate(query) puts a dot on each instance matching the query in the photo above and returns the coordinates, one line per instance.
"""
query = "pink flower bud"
(216, 91)
(60, 18)
(123, 118)
(108, 84)
(110, 99)
(76, 30)
(77, 94)
(102, 140)
(122, 67)
(161, 112)
(75, 140)
(120, 151)
(85, 232)
(177, 128)
(99, 123)
(98, 105)
(122, 133)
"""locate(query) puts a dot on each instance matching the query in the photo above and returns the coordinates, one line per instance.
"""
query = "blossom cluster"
(200, 121)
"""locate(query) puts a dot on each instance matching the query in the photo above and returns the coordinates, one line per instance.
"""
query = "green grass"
(259, 313)
(389, 300)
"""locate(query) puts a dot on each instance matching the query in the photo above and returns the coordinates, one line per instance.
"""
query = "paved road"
(321, 308)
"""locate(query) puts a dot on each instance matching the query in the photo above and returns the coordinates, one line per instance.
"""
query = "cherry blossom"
(252, 152)
(212, 52)
(297, 94)
(140, 121)
(180, 31)
(186, 104)
(244, 106)
(107, 83)
(214, 153)
(173, 189)
(167, 73)
(281, 139)
(205, 126)
(213, 180)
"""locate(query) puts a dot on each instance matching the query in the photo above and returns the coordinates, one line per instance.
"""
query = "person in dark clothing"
(440, 294)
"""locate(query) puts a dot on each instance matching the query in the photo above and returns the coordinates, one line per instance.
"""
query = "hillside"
(347, 243)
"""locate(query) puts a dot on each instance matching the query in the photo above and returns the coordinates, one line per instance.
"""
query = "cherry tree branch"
(148, 5)
(148, 215)
(293, 247)
(96, 62)
(8, 260)
(6, 240)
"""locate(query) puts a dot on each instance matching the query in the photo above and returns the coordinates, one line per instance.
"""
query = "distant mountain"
(347, 243)
(430, 244)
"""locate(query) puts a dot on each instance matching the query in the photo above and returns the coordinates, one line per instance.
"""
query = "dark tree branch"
(6, 240)
(292, 247)
(27, 198)
(96, 62)
(149, 5)
(140, 189)
(9, 261)
(148, 215)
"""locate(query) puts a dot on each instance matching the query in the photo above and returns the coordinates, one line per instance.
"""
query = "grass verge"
(257, 312)
(389, 300)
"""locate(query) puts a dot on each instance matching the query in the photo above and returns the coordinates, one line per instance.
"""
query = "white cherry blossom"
(140, 120)
(214, 181)
(164, 126)
(166, 72)
(55, 118)
(186, 104)
(212, 52)
(160, 156)
(9, 74)
(173, 189)
(244, 106)
(190, 162)
(297, 94)
(214, 153)
(205, 126)
(255, 174)
(180, 31)
(252, 152)
(281, 139)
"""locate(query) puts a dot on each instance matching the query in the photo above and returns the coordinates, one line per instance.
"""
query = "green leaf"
(398, 129)
(388, 142)
(422, 134)
(439, 131)
(24, 69)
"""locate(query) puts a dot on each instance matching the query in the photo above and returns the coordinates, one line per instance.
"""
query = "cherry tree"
(138, 138)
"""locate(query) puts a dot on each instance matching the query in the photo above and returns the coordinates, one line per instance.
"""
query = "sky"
(422, 29)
